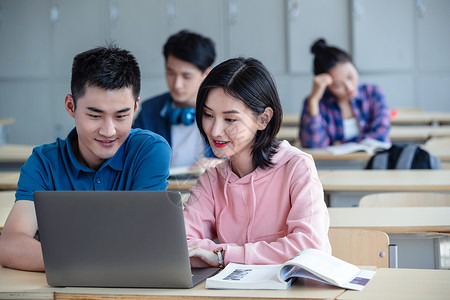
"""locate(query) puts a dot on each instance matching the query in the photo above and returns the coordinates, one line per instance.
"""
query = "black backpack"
(403, 157)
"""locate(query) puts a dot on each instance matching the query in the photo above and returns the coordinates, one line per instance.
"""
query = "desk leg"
(442, 248)
(421, 250)
(393, 256)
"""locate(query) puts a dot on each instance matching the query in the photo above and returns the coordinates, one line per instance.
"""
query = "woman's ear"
(265, 118)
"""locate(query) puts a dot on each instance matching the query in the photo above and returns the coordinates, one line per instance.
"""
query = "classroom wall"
(401, 45)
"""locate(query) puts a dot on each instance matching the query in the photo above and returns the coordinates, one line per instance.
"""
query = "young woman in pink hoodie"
(264, 203)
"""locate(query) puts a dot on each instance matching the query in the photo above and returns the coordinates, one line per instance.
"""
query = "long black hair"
(248, 80)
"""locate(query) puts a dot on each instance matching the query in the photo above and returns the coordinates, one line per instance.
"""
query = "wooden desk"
(182, 185)
(12, 157)
(408, 284)
(8, 180)
(6, 121)
(398, 134)
(392, 219)
(418, 232)
(417, 134)
(325, 160)
(6, 203)
(421, 118)
(402, 118)
(288, 133)
(291, 120)
(386, 284)
(16, 284)
(439, 147)
(346, 187)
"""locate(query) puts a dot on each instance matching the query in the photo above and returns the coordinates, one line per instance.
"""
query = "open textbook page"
(368, 145)
(311, 263)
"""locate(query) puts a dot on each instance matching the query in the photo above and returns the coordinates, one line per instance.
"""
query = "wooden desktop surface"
(439, 147)
(441, 151)
(397, 134)
(332, 180)
(424, 118)
(385, 180)
(392, 219)
(401, 118)
(8, 180)
(366, 180)
(411, 284)
(16, 284)
(15, 153)
(386, 284)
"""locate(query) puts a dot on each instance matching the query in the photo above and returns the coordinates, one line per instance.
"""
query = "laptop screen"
(113, 238)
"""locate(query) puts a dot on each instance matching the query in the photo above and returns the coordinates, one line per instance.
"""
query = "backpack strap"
(406, 158)
(435, 163)
(380, 161)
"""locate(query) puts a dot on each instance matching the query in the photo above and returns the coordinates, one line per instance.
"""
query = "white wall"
(396, 44)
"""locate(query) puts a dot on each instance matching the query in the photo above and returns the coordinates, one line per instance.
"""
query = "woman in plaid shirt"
(339, 108)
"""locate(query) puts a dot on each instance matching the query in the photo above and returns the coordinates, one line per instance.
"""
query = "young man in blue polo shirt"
(102, 152)
(188, 59)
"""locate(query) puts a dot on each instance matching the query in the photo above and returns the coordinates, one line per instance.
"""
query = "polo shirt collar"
(116, 162)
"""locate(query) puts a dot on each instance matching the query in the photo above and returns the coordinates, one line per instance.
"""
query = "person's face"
(183, 80)
(229, 125)
(103, 120)
(345, 81)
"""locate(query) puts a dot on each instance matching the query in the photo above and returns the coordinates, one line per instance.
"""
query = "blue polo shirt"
(141, 163)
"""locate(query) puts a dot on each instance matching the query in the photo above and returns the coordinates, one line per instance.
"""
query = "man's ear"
(136, 104)
(206, 72)
(265, 118)
(69, 103)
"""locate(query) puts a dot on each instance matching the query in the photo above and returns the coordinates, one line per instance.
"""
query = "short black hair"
(191, 47)
(326, 57)
(106, 67)
(248, 80)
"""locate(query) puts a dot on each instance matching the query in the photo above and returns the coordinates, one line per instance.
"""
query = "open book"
(310, 263)
(369, 145)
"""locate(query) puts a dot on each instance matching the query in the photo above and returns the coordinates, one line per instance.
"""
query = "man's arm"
(18, 248)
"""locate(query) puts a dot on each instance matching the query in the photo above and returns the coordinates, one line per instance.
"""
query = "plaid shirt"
(369, 108)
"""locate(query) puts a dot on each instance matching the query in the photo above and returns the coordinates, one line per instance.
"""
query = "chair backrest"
(361, 247)
(402, 199)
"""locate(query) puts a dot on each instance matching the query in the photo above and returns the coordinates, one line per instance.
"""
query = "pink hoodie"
(265, 217)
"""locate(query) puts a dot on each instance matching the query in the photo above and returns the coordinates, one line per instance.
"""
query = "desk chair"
(415, 199)
(360, 246)
(402, 199)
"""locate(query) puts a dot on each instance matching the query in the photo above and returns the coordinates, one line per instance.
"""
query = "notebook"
(115, 239)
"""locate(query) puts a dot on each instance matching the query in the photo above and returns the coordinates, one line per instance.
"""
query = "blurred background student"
(339, 108)
(188, 59)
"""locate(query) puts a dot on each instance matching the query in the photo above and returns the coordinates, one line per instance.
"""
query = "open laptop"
(115, 239)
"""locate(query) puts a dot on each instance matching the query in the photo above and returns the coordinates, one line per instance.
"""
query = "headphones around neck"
(177, 116)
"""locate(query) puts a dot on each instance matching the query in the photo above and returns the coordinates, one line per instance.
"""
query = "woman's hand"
(320, 83)
(201, 258)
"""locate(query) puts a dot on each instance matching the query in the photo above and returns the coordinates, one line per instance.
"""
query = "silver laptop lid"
(113, 238)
